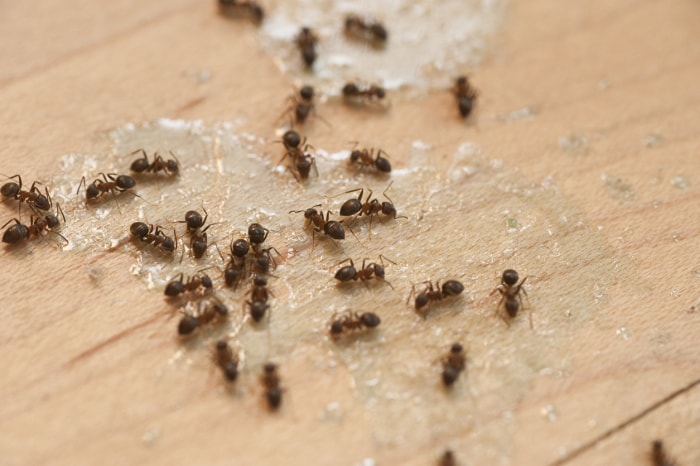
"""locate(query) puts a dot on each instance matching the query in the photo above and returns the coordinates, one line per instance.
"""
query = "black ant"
(510, 294)
(306, 41)
(259, 295)
(37, 226)
(153, 234)
(365, 158)
(200, 283)
(358, 93)
(329, 227)
(302, 106)
(448, 459)
(198, 242)
(257, 234)
(465, 95)
(111, 183)
(262, 260)
(209, 311)
(270, 380)
(434, 293)
(453, 364)
(370, 207)
(659, 457)
(366, 272)
(226, 360)
(141, 165)
(34, 198)
(352, 321)
(369, 31)
(236, 266)
(242, 8)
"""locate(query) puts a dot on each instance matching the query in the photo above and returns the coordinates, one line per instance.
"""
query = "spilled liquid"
(468, 222)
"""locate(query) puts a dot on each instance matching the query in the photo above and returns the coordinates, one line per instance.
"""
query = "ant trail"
(610, 432)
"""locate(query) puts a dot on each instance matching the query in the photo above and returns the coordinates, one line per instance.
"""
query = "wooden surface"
(93, 370)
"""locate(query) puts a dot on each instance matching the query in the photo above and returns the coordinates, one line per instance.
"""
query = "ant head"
(193, 219)
(379, 91)
(291, 139)
(379, 271)
(239, 248)
(270, 368)
(379, 32)
(306, 92)
(206, 281)
(388, 209)
(138, 229)
(42, 202)
(355, 155)
(187, 325)
(337, 327)
(52, 221)
(139, 165)
(91, 192)
(310, 213)
(510, 277)
(257, 13)
(125, 182)
(456, 348)
(172, 166)
(421, 300)
(174, 288)
(168, 244)
(370, 319)
(9, 189)
(221, 345)
(461, 81)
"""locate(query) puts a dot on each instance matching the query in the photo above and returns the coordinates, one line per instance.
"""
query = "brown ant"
(366, 272)
(370, 207)
(200, 283)
(111, 183)
(510, 294)
(259, 294)
(659, 457)
(270, 380)
(453, 364)
(226, 360)
(37, 226)
(198, 241)
(209, 311)
(141, 165)
(153, 234)
(329, 227)
(358, 93)
(242, 8)
(448, 459)
(365, 158)
(34, 198)
(301, 161)
(434, 293)
(369, 31)
(306, 40)
(465, 95)
(352, 321)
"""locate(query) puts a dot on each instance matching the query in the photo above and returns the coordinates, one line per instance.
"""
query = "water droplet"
(680, 182)
(653, 140)
(624, 333)
(549, 412)
(150, 436)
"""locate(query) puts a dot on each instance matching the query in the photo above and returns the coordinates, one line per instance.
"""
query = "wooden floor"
(594, 194)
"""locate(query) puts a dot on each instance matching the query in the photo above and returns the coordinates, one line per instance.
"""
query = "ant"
(257, 234)
(198, 283)
(353, 321)
(226, 360)
(262, 261)
(659, 457)
(448, 459)
(365, 158)
(270, 379)
(453, 364)
(358, 93)
(140, 165)
(259, 295)
(209, 311)
(301, 161)
(34, 198)
(153, 234)
(435, 293)
(465, 95)
(329, 227)
(306, 40)
(370, 31)
(235, 268)
(366, 272)
(19, 232)
(302, 106)
(370, 207)
(510, 294)
(244, 8)
(198, 242)
(111, 183)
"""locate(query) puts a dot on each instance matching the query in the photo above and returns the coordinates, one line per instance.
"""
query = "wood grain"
(92, 368)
